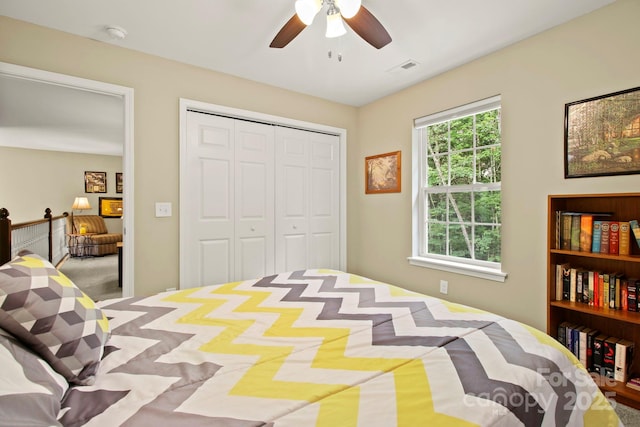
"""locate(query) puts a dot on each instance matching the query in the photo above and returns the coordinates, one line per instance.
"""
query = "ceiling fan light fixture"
(348, 8)
(335, 27)
(307, 10)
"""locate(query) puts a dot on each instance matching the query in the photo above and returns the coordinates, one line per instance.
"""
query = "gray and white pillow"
(30, 390)
(46, 312)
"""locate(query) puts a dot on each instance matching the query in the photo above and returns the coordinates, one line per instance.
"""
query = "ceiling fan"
(352, 12)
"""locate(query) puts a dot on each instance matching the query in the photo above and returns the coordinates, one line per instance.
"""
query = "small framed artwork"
(382, 173)
(602, 135)
(95, 182)
(110, 207)
(118, 182)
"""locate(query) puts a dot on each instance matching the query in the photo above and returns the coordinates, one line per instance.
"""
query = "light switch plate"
(163, 209)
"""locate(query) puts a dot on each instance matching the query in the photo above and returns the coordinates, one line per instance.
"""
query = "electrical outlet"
(163, 209)
(444, 287)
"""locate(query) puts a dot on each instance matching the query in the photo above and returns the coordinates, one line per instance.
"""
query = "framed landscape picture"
(602, 135)
(110, 207)
(382, 173)
(95, 182)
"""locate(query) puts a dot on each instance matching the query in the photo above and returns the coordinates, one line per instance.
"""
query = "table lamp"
(81, 204)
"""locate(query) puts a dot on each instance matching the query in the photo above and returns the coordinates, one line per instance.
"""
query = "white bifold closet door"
(307, 200)
(262, 199)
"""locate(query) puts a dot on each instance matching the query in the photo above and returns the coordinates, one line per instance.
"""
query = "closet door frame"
(185, 191)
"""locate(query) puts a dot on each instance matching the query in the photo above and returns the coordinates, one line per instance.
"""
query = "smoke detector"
(116, 32)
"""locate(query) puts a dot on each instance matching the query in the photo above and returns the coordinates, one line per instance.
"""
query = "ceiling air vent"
(407, 65)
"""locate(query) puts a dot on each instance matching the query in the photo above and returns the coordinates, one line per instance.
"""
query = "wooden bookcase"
(618, 323)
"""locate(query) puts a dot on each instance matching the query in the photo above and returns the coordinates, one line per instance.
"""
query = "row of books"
(590, 232)
(606, 355)
(597, 288)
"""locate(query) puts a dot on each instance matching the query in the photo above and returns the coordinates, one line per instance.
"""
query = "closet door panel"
(209, 229)
(254, 195)
(292, 199)
(214, 260)
(307, 197)
(324, 215)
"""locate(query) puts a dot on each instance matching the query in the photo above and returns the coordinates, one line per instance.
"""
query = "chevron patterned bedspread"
(327, 348)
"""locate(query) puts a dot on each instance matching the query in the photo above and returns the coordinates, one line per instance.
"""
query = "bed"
(301, 348)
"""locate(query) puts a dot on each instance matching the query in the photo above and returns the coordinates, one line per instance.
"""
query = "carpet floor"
(95, 276)
(630, 417)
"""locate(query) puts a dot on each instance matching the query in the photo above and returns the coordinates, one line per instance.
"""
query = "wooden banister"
(5, 236)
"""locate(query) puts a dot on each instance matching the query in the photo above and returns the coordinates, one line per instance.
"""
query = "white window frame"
(476, 268)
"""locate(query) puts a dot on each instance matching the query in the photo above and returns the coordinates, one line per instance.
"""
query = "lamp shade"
(349, 8)
(335, 27)
(307, 10)
(81, 204)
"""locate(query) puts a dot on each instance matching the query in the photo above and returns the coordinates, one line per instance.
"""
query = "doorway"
(76, 85)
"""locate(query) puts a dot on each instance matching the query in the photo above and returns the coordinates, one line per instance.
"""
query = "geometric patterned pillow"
(30, 390)
(43, 309)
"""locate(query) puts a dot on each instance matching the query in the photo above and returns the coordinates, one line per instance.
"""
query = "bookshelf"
(614, 322)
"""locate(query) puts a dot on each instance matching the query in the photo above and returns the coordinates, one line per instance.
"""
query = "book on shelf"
(623, 358)
(559, 281)
(598, 348)
(624, 244)
(617, 290)
(604, 237)
(562, 333)
(565, 233)
(582, 347)
(632, 297)
(635, 229)
(576, 336)
(586, 230)
(566, 282)
(634, 383)
(585, 286)
(614, 237)
(557, 229)
(591, 336)
(605, 286)
(602, 297)
(573, 274)
(609, 356)
(596, 235)
(575, 232)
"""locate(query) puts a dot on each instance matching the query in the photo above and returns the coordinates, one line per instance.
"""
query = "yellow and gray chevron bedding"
(327, 348)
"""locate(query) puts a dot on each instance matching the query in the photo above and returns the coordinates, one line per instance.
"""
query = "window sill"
(460, 268)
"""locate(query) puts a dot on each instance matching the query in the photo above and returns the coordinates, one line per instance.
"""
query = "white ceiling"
(233, 36)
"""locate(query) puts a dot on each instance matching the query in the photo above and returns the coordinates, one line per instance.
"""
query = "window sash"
(449, 262)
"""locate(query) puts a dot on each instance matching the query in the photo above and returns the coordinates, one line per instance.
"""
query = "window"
(457, 180)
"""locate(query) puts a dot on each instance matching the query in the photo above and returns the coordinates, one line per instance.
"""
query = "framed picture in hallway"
(110, 207)
(95, 182)
(119, 182)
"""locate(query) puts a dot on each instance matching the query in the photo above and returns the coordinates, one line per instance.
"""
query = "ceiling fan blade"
(369, 28)
(288, 32)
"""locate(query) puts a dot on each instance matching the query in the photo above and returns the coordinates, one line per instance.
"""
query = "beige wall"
(158, 85)
(51, 179)
(590, 56)
(593, 55)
